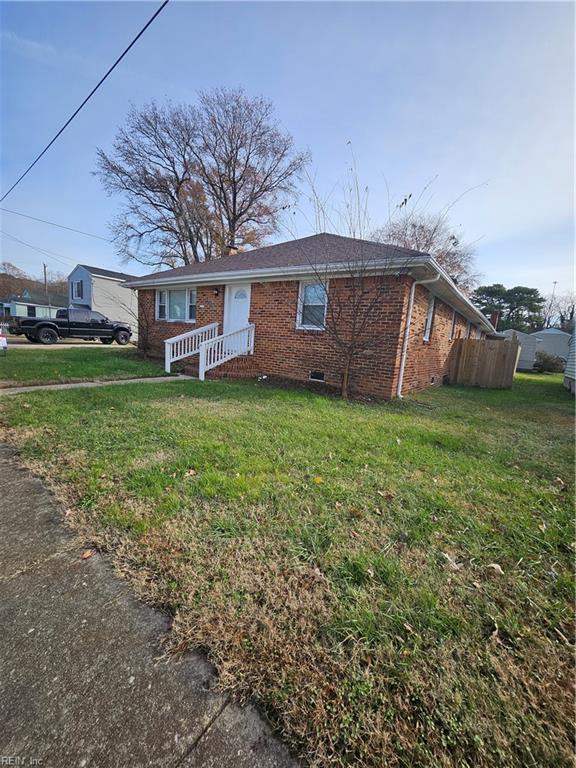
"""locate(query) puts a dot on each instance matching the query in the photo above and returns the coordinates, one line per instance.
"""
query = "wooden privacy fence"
(488, 363)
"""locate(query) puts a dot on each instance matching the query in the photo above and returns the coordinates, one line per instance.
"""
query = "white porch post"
(167, 351)
(202, 361)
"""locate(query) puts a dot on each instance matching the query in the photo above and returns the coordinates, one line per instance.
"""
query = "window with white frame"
(312, 303)
(176, 305)
(77, 289)
(429, 317)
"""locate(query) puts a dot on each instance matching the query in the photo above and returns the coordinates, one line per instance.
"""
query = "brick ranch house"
(263, 312)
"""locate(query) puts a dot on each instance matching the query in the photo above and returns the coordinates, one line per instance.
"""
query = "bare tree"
(197, 179)
(357, 295)
(247, 165)
(431, 233)
(562, 312)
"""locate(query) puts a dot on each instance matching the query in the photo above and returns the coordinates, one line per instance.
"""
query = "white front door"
(236, 307)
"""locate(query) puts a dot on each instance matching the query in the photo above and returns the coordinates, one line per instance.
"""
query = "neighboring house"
(32, 304)
(263, 312)
(553, 342)
(570, 370)
(529, 345)
(103, 290)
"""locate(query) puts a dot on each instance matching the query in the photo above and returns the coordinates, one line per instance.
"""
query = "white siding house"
(103, 290)
(529, 345)
(570, 370)
(553, 341)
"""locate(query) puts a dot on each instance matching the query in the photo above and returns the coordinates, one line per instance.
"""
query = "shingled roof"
(322, 249)
(107, 272)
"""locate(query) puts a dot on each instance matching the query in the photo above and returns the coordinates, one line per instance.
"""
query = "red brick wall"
(426, 362)
(209, 309)
(281, 349)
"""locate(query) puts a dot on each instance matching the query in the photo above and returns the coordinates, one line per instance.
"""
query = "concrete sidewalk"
(82, 680)
(90, 384)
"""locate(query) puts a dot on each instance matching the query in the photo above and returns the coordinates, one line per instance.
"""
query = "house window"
(192, 304)
(161, 305)
(178, 305)
(312, 303)
(77, 289)
(453, 328)
(429, 317)
(31, 310)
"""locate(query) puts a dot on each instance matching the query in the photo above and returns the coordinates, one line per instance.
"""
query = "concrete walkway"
(88, 384)
(82, 680)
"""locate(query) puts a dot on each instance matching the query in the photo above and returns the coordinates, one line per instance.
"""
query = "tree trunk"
(345, 379)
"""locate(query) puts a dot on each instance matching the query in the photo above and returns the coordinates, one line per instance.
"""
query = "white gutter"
(407, 330)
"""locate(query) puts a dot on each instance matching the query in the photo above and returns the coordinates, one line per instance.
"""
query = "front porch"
(213, 349)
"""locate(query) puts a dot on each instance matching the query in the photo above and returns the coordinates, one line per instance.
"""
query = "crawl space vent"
(316, 375)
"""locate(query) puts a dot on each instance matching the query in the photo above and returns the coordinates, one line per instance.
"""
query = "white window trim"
(300, 308)
(167, 291)
(75, 294)
(429, 317)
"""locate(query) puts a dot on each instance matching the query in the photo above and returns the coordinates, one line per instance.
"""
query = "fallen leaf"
(87, 553)
(408, 628)
(496, 568)
(318, 480)
(191, 472)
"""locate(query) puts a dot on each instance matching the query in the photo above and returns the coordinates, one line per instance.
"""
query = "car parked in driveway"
(71, 324)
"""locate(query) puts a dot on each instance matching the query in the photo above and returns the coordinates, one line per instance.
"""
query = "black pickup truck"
(71, 324)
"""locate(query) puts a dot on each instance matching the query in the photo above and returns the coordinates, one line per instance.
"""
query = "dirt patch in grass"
(393, 584)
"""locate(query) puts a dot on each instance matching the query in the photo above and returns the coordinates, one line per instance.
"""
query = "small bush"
(546, 363)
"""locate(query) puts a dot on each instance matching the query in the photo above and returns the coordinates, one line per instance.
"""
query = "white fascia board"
(456, 299)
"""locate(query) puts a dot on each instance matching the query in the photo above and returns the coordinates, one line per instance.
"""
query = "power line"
(73, 229)
(56, 256)
(54, 224)
(86, 100)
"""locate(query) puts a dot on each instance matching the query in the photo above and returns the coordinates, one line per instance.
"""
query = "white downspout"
(407, 330)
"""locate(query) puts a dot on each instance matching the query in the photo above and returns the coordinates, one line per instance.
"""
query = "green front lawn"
(35, 365)
(393, 583)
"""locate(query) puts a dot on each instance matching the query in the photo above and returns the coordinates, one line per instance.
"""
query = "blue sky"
(471, 93)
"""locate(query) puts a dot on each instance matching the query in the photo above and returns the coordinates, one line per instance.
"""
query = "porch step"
(242, 367)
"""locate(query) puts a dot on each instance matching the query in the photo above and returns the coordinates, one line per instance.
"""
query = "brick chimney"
(494, 317)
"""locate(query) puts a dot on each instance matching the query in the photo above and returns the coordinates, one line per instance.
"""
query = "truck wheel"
(31, 339)
(122, 337)
(47, 336)
(106, 341)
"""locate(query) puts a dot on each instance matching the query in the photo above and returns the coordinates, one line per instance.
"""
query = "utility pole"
(46, 284)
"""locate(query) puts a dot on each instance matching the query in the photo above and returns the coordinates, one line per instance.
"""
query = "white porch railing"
(4, 327)
(218, 350)
(187, 344)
